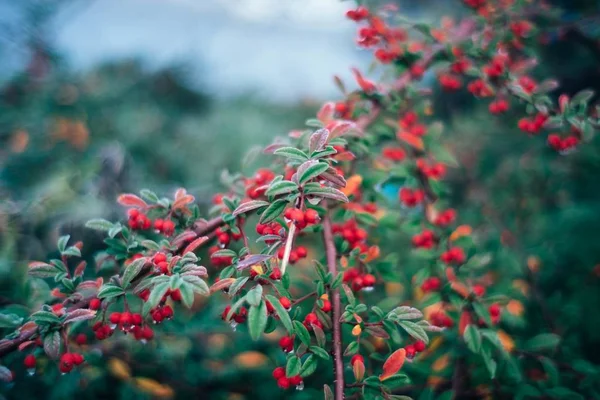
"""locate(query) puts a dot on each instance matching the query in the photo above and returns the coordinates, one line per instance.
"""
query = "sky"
(281, 49)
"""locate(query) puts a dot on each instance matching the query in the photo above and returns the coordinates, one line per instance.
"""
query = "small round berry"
(95, 304)
(279, 373)
(283, 383)
(29, 361)
(115, 318)
(81, 339)
(285, 302)
(419, 346)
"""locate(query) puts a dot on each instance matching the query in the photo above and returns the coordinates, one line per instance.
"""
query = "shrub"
(364, 184)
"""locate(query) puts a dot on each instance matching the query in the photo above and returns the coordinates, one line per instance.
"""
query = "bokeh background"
(109, 96)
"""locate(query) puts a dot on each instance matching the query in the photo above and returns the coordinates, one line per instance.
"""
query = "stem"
(288, 247)
(338, 365)
(241, 228)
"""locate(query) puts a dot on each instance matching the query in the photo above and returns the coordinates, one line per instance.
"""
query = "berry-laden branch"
(336, 309)
(377, 158)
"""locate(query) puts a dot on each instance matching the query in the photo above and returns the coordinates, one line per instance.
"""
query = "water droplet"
(300, 386)
(233, 325)
(31, 371)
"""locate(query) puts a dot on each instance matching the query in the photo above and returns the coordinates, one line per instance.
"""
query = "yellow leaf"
(534, 263)
(507, 341)
(119, 369)
(356, 331)
(441, 363)
(257, 268)
(153, 387)
(394, 288)
(521, 285)
(250, 359)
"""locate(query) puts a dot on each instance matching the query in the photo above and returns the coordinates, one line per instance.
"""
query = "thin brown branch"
(338, 364)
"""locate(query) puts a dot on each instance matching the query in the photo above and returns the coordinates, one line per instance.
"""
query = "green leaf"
(187, 294)
(196, 284)
(472, 338)
(483, 313)
(312, 172)
(273, 211)
(293, 366)
(99, 224)
(62, 242)
(157, 294)
(132, 270)
(257, 320)
(45, 318)
(254, 296)
(309, 366)
(301, 332)
(237, 285)
(10, 320)
(328, 193)
(319, 335)
(544, 341)
(490, 363)
(40, 269)
(250, 206)
(149, 195)
(351, 349)
(52, 344)
(282, 313)
(109, 291)
(582, 97)
(444, 156)
(281, 187)
(414, 330)
(292, 153)
(318, 351)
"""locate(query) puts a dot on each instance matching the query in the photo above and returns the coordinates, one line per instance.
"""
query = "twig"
(288, 247)
(336, 309)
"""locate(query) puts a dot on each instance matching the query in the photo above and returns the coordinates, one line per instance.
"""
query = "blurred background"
(109, 96)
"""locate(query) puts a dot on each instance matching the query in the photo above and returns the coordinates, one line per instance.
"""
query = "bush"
(362, 195)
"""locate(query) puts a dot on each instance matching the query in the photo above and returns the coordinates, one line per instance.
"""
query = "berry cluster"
(413, 349)
(562, 145)
(295, 254)
(301, 218)
(285, 382)
(68, 361)
(431, 170)
(454, 255)
(359, 280)
(425, 239)
(411, 197)
(353, 234)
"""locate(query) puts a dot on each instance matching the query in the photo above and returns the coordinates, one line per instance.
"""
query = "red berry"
(95, 304)
(77, 358)
(275, 274)
(283, 382)
(495, 310)
(301, 251)
(326, 306)
(295, 380)
(29, 361)
(311, 216)
(115, 318)
(419, 346)
(369, 280)
(279, 373)
(81, 339)
(286, 343)
(285, 302)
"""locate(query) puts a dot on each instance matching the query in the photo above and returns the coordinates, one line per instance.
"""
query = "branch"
(338, 364)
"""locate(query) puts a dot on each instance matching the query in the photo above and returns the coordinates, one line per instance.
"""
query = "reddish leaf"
(131, 200)
(80, 268)
(359, 370)
(222, 284)
(79, 315)
(393, 364)
(183, 237)
(195, 244)
(26, 344)
(465, 319)
(326, 112)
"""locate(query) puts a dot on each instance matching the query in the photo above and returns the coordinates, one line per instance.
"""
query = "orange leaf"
(131, 200)
(352, 184)
(463, 230)
(412, 140)
(393, 364)
(372, 254)
(460, 289)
